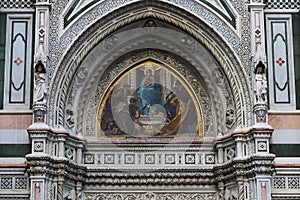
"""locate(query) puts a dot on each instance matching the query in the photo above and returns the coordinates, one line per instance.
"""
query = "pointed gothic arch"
(197, 30)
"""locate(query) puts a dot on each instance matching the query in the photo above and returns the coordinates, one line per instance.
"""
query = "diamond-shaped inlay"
(279, 183)
(280, 62)
(293, 183)
(21, 183)
(6, 183)
(69, 153)
(230, 153)
(42, 31)
(18, 61)
(257, 32)
(38, 146)
(262, 146)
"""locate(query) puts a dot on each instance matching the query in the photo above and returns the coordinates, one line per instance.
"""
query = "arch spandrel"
(218, 14)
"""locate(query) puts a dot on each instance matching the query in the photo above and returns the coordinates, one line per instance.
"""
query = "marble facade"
(64, 61)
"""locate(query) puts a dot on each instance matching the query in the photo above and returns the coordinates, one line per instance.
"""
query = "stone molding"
(242, 87)
(235, 168)
(150, 196)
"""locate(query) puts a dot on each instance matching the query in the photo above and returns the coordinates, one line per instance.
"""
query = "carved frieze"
(150, 196)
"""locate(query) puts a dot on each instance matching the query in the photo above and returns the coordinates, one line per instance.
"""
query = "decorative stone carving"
(110, 42)
(230, 117)
(260, 111)
(81, 75)
(39, 112)
(89, 159)
(260, 85)
(149, 196)
(230, 154)
(91, 45)
(262, 146)
(38, 146)
(113, 72)
(40, 85)
(189, 158)
(210, 159)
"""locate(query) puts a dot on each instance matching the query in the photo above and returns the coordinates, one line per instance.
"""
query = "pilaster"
(42, 8)
(259, 62)
(41, 53)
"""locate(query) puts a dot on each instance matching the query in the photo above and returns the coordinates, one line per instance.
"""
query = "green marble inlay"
(14, 150)
(296, 45)
(285, 150)
(2, 55)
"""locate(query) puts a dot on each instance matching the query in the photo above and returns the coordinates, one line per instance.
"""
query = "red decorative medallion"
(18, 61)
(280, 62)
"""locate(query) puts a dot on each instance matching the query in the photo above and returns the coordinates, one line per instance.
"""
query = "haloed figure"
(149, 94)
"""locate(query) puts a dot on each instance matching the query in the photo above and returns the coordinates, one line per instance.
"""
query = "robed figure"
(149, 94)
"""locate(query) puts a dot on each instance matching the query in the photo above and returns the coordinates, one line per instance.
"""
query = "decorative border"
(17, 62)
(18, 65)
(7, 4)
(286, 182)
(104, 8)
(283, 4)
(196, 7)
(13, 183)
(280, 62)
(218, 55)
(149, 195)
(117, 69)
(56, 39)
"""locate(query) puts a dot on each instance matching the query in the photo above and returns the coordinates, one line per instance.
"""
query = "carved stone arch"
(128, 61)
(225, 56)
(214, 81)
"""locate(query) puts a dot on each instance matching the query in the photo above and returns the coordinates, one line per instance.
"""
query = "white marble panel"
(18, 63)
(280, 62)
(14, 137)
(285, 136)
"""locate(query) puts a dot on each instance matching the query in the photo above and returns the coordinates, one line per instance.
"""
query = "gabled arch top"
(78, 8)
(217, 14)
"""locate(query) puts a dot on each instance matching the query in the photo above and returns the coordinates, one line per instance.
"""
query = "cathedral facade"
(149, 99)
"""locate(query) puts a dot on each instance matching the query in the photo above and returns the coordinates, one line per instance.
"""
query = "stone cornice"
(39, 130)
(249, 166)
(244, 132)
(44, 164)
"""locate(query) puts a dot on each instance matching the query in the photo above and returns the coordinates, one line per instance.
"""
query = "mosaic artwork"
(149, 100)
